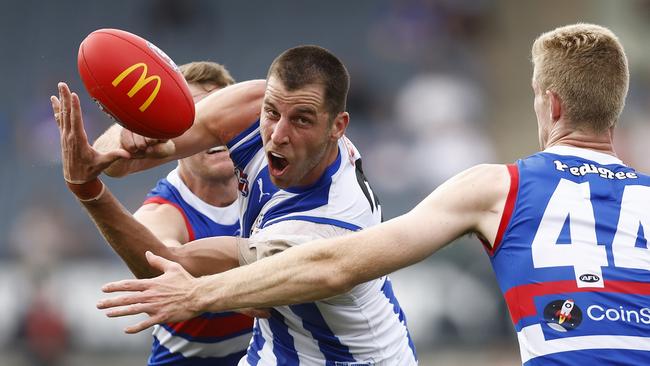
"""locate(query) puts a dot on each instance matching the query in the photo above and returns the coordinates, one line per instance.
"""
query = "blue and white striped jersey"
(210, 338)
(365, 326)
(573, 262)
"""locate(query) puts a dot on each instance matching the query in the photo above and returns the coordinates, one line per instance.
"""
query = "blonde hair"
(586, 66)
(206, 72)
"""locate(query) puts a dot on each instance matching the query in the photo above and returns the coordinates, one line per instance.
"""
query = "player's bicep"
(461, 205)
(470, 202)
(229, 111)
(165, 222)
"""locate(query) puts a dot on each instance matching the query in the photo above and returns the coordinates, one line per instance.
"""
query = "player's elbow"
(335, 277)
(338, 283)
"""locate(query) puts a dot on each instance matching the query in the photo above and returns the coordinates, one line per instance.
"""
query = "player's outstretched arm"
(219, 117)
(130, 239)
(326, 267)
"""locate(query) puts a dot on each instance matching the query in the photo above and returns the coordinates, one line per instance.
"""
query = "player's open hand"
(81, 163)
(166, 298)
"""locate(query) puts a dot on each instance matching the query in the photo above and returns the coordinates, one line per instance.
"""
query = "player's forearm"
(315, 270)
(294, 276)
(128, 238)
(207, 256)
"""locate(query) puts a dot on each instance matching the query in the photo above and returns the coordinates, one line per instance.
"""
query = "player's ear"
(339, 125)
(555, 105)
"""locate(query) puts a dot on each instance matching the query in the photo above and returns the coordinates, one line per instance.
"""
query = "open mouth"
(277, 163)
(216, 149)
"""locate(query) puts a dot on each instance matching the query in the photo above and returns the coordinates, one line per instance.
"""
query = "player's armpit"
(165, 221)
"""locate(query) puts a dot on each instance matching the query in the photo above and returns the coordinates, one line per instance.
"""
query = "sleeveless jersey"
(210, 338)
(363, 327)
(573, 262)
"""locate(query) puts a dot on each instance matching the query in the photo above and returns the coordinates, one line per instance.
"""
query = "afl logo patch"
(591, 278)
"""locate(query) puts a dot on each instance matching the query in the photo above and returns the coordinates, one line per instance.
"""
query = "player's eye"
(303, 121)
(272, 114)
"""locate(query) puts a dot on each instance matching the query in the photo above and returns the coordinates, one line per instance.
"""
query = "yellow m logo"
(142, 81)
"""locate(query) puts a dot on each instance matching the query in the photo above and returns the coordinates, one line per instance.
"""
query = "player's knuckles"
(140, 142)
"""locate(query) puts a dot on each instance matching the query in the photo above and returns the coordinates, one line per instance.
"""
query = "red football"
(136, 83)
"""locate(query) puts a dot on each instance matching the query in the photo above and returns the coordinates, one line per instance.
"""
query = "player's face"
(299, 136)
(542, 111)
(215, 163)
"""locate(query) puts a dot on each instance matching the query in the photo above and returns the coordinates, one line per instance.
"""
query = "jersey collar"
(600, 158)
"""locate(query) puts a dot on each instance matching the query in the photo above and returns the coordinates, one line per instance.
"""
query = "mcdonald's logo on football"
(142, 81)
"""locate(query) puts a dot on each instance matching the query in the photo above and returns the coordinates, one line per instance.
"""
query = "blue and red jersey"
(211, 338)
(572, 259)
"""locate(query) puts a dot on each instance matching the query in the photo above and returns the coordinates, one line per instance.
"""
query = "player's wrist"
(198, 302)
(91, 190)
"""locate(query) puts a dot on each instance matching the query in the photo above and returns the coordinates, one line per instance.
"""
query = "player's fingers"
(64, 96)
(111, 156)
(56, 109)
(161, 150)
(151, 141)
(127, 141)
(159, 262)
(126, 285)
(139, 141)
(76, 118)
(149, 322)
(132, 309)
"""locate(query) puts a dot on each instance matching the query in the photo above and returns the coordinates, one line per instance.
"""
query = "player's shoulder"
(485, 185)
(158, 209)
(487, 174)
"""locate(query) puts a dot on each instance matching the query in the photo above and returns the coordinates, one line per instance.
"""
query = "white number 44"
(573, 200)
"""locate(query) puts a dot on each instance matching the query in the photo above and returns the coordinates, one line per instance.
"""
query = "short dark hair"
(304, 65)
(206, 72)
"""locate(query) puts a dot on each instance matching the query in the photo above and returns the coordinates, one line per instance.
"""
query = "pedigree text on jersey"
(585, 168)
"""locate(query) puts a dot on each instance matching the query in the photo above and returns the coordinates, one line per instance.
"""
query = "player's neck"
(600, 142)
(317, 172)
(215, 192)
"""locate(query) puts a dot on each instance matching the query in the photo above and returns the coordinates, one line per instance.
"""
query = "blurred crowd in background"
(437, 86)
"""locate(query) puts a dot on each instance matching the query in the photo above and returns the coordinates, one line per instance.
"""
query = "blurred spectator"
(42, 332)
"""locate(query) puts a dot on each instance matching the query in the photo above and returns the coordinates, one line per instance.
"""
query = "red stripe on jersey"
(162, 201)
(508, 208)
(213, 327)
(521, 302)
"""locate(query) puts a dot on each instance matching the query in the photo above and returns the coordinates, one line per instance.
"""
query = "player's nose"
(280, 131)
